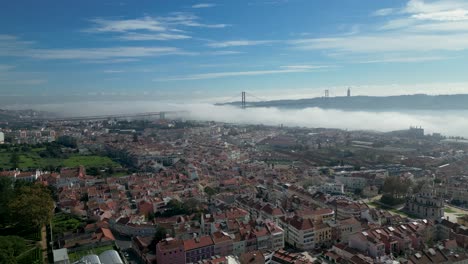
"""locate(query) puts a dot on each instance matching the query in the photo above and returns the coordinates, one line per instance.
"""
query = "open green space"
(449, 210)
(378, 205)
(31, 159)
(89, 161)
(74, 256)
(63, 222)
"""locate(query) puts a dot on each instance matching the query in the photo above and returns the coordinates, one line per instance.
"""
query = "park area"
(33, 158)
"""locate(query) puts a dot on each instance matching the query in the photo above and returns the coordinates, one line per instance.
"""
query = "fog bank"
(446, 122)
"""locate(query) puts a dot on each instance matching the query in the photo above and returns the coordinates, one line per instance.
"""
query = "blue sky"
(213, 50)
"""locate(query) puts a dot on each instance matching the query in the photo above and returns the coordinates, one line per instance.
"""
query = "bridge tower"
(243, 100)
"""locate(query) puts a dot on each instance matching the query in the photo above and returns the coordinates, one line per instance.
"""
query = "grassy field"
(449, 210)
(32, 159)
(89, 161)
(63, 222)
(79, 254)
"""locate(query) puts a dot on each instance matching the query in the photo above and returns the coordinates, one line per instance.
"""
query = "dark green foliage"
(391, 201)
(63, 222)
(53, 151)
(174, 207)
(6, 195)
(67, 141)
(32, 206)
(210, 191)
(396, 187)
(14, 245)
(14, 160)
(93, 171)
(6, 257)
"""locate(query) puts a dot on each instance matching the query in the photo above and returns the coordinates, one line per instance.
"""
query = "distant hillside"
(405, 102)
(17, 115)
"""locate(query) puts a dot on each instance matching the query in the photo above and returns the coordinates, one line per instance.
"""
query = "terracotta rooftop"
(199, 242)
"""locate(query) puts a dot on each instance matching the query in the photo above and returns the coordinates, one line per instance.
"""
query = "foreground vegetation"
(24, 209)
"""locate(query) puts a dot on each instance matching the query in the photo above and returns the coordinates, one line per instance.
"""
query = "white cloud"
(384, 12)
(158, 36)
(104, 53)
(448, 27)
(224, 52)
(215, 75)
(237, 43)
(150, 28)
(427, 7)
(13, 47)
(387, 42)
(203, 5)
(404, 59)
(452, 15)
(112, 61)
(419, 26)
(124, 25)
(303, 67)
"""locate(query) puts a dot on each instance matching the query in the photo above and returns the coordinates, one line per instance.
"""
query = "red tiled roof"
(199, 242)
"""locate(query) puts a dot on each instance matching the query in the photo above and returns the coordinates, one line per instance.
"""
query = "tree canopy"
(32, 206)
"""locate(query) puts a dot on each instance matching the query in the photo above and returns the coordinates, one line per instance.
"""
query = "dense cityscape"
(159, 190)
(234, 132)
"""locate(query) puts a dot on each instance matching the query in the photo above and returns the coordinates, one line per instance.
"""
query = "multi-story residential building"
(198, 248)
(238, 244)
(223, 244)
(170, 251)
(299, 232)
(322, 234)
(367, 243)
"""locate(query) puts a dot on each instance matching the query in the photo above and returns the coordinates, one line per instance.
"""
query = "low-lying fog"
(451, 123)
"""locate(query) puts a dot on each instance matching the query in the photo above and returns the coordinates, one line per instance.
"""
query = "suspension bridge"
(159, 115)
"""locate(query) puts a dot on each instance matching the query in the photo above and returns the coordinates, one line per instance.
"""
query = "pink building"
(223, 245)
(170, 251)
(198, 248)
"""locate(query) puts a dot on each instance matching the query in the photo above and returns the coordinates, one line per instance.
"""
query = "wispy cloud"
(419, 26)
(22, 82)
(159, 36)
(404, 59)
(215, 75)
(384, 12)
(203, 5)
(112, 61)
(170, 23)
(386, 42)
(13, 47)
(224, 52)
(5, 67)
(108, 25)
(237, 43)
(113, 71)
(303, 67)
(105, 53)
